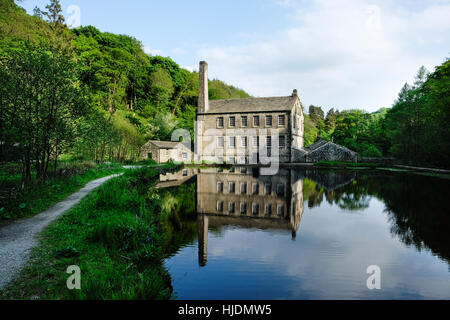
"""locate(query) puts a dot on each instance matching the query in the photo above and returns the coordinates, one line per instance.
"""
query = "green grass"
(116, 235)
(35, 198)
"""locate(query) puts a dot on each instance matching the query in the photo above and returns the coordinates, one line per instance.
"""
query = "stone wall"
(331, 152)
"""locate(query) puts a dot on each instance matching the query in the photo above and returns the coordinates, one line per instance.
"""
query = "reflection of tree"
(352, 196)
(178, 214)
(419, 210)
(353, 202)
(417, 206)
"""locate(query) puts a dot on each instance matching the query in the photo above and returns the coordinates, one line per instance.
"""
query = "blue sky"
(341, 53)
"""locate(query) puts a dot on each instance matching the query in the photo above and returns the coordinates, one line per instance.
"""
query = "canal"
(306, 234)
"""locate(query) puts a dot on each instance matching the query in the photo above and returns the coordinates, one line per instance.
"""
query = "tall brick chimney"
(203, 98)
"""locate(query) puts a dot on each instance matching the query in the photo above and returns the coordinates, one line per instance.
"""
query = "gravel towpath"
(19, 237)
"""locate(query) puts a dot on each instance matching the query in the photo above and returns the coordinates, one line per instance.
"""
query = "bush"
(371, 152)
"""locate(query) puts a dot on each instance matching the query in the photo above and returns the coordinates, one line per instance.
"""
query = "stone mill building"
(247, 130)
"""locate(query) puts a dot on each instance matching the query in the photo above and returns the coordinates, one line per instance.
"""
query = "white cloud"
(188, 68)
(344, 54)
(152, 51)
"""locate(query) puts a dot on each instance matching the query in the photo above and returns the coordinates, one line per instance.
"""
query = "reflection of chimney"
(202, 225)
(203, 98)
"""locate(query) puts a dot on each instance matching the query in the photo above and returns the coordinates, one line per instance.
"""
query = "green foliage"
(119, 251)
(128, 95)
(41, 102)
(418, 124)
(18, 202)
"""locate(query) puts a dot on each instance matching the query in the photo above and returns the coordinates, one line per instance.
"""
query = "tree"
(54, 14)
(42, 101)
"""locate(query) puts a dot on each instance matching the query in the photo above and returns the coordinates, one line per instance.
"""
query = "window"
(280, 210)
(220, 142)
(231, 207)
(268, 209)
(244, 121)
(185, 173)
(219, 206)
(220, 122)
(255, 208)
(243, 170)
(185, 155)
(232, 121)
(269, 142)
(281, 121)
(232, 160)
(220, 160)
(268, 189)
(268, 121)
(244, 188)
(232, 170)
(149, 155)
(280, 189)
(269, 146)
(232, 142)
(295, 121)
(232, 187)
(244, 142)
(256, 141)
(220, 187)
(256, 121)
(243, 208)
(282, 141)
(255, 188)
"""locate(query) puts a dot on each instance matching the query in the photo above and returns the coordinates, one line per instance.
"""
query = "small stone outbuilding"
(164, 151)
(323, 150)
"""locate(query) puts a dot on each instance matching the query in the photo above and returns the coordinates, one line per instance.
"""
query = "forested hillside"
(116, 96)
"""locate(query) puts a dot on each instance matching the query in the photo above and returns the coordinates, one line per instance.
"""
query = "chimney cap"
(203, 62)
(295, 93)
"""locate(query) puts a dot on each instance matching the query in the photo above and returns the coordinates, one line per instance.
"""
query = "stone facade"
(247, 130)
(242, 197)
(163, 151)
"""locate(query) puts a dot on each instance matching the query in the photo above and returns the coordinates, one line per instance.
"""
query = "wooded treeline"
(416, 130)
(85, 94)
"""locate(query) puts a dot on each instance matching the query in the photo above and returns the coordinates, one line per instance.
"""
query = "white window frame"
(279, 121)
(282, 138)
(254, 121)
(219, 144)
(218, 122)
(271, 121)
(229, 122)
(244, 142)
(230, 144)
(246, 121)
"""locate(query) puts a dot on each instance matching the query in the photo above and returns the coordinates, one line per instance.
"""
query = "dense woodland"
(86, 94)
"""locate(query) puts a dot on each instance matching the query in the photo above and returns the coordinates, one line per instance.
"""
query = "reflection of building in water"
(242, 197)
(174, 179)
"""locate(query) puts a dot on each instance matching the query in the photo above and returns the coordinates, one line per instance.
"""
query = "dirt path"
(18, 237)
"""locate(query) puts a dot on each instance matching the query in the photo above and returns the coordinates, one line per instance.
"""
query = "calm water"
(309, 235)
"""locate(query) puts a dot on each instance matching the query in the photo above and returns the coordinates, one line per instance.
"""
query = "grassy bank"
(21, 202)
(117, 235)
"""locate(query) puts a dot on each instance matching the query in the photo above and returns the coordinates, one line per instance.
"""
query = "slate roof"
(316, 145)
(252, 105)
(321, 143)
